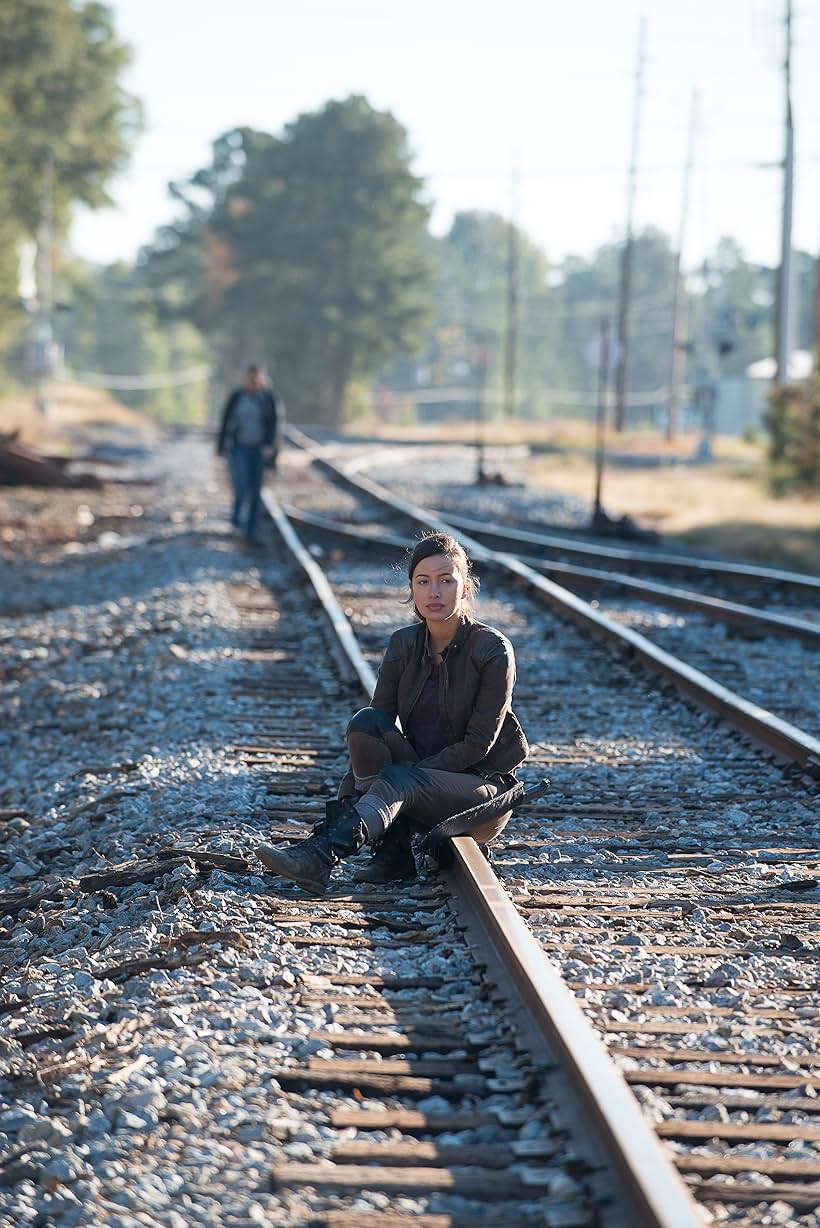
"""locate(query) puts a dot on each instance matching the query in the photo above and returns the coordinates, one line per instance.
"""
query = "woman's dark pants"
(386, 769)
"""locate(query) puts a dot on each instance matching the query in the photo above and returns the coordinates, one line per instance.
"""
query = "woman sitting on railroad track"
(449, 679)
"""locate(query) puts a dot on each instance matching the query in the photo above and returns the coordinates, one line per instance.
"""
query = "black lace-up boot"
(309, 864)
(392, 858)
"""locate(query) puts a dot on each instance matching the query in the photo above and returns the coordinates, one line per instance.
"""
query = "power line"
(159, 379)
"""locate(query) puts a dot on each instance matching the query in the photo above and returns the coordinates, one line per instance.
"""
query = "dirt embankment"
(76, 414)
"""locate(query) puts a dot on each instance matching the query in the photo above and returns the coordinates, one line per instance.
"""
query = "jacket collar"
(465, 626)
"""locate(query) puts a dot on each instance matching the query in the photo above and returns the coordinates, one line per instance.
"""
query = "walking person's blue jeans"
(246, 467)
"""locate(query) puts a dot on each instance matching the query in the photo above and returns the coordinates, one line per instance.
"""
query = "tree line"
(66, 124)
(310, 250)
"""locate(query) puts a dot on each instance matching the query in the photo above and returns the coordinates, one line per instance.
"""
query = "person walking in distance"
(449, 679)
(249, 427)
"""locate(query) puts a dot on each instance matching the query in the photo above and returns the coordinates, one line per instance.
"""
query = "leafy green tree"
(476, 260)
(732, 301)
(793, 422)
(63, 112)
(305, 251)
(61, 100)
(588, 292)
(559, 313)
(113, 331)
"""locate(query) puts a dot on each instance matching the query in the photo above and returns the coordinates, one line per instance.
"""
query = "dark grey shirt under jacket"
(427, 730)
(475, 695)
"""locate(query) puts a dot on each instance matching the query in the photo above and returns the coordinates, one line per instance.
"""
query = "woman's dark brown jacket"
(476, 680)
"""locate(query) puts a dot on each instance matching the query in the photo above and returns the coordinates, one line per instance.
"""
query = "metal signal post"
(604, 360)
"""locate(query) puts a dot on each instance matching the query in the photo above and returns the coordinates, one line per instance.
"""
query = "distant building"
(800, 366)
(742, 400)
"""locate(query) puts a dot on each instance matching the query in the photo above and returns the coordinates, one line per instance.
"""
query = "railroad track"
(768, 677)
(183, 1040)
(573, 546)
(546, 1017)
(662, 830)
(641, 889)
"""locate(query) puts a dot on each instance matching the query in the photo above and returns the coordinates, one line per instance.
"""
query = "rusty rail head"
(517, 540)
(574, 578)
(656, 1190)
(353, 655)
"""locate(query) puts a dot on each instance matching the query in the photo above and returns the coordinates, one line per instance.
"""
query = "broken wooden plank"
(192, 938)
(150, 963)
(382, 981)
(26, 899)
(58, 1032)
(204, 859)
(22, 465)
(361, 921)
(128, 873)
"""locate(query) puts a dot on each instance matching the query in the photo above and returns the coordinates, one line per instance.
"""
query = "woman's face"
(439, 589)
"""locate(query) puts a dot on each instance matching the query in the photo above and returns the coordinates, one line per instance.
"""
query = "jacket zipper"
(443, 688)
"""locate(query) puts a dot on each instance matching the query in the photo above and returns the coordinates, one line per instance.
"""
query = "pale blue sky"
(546, 85)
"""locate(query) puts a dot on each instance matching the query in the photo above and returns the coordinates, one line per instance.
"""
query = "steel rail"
(734, 614)
(654, 1186)
(514, 540)
(766, 729)
(640, 560)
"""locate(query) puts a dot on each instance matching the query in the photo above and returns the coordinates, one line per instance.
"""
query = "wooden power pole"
(783, 323)
(511, 315)
(678, 304)
(625, 288)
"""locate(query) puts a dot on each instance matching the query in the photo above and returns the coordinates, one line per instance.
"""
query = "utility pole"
(816, 315)
(784, 280)
(43, 357)
(481, 361)
(625, 289)
(678, 314)
(600, 417)
(511, 320)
